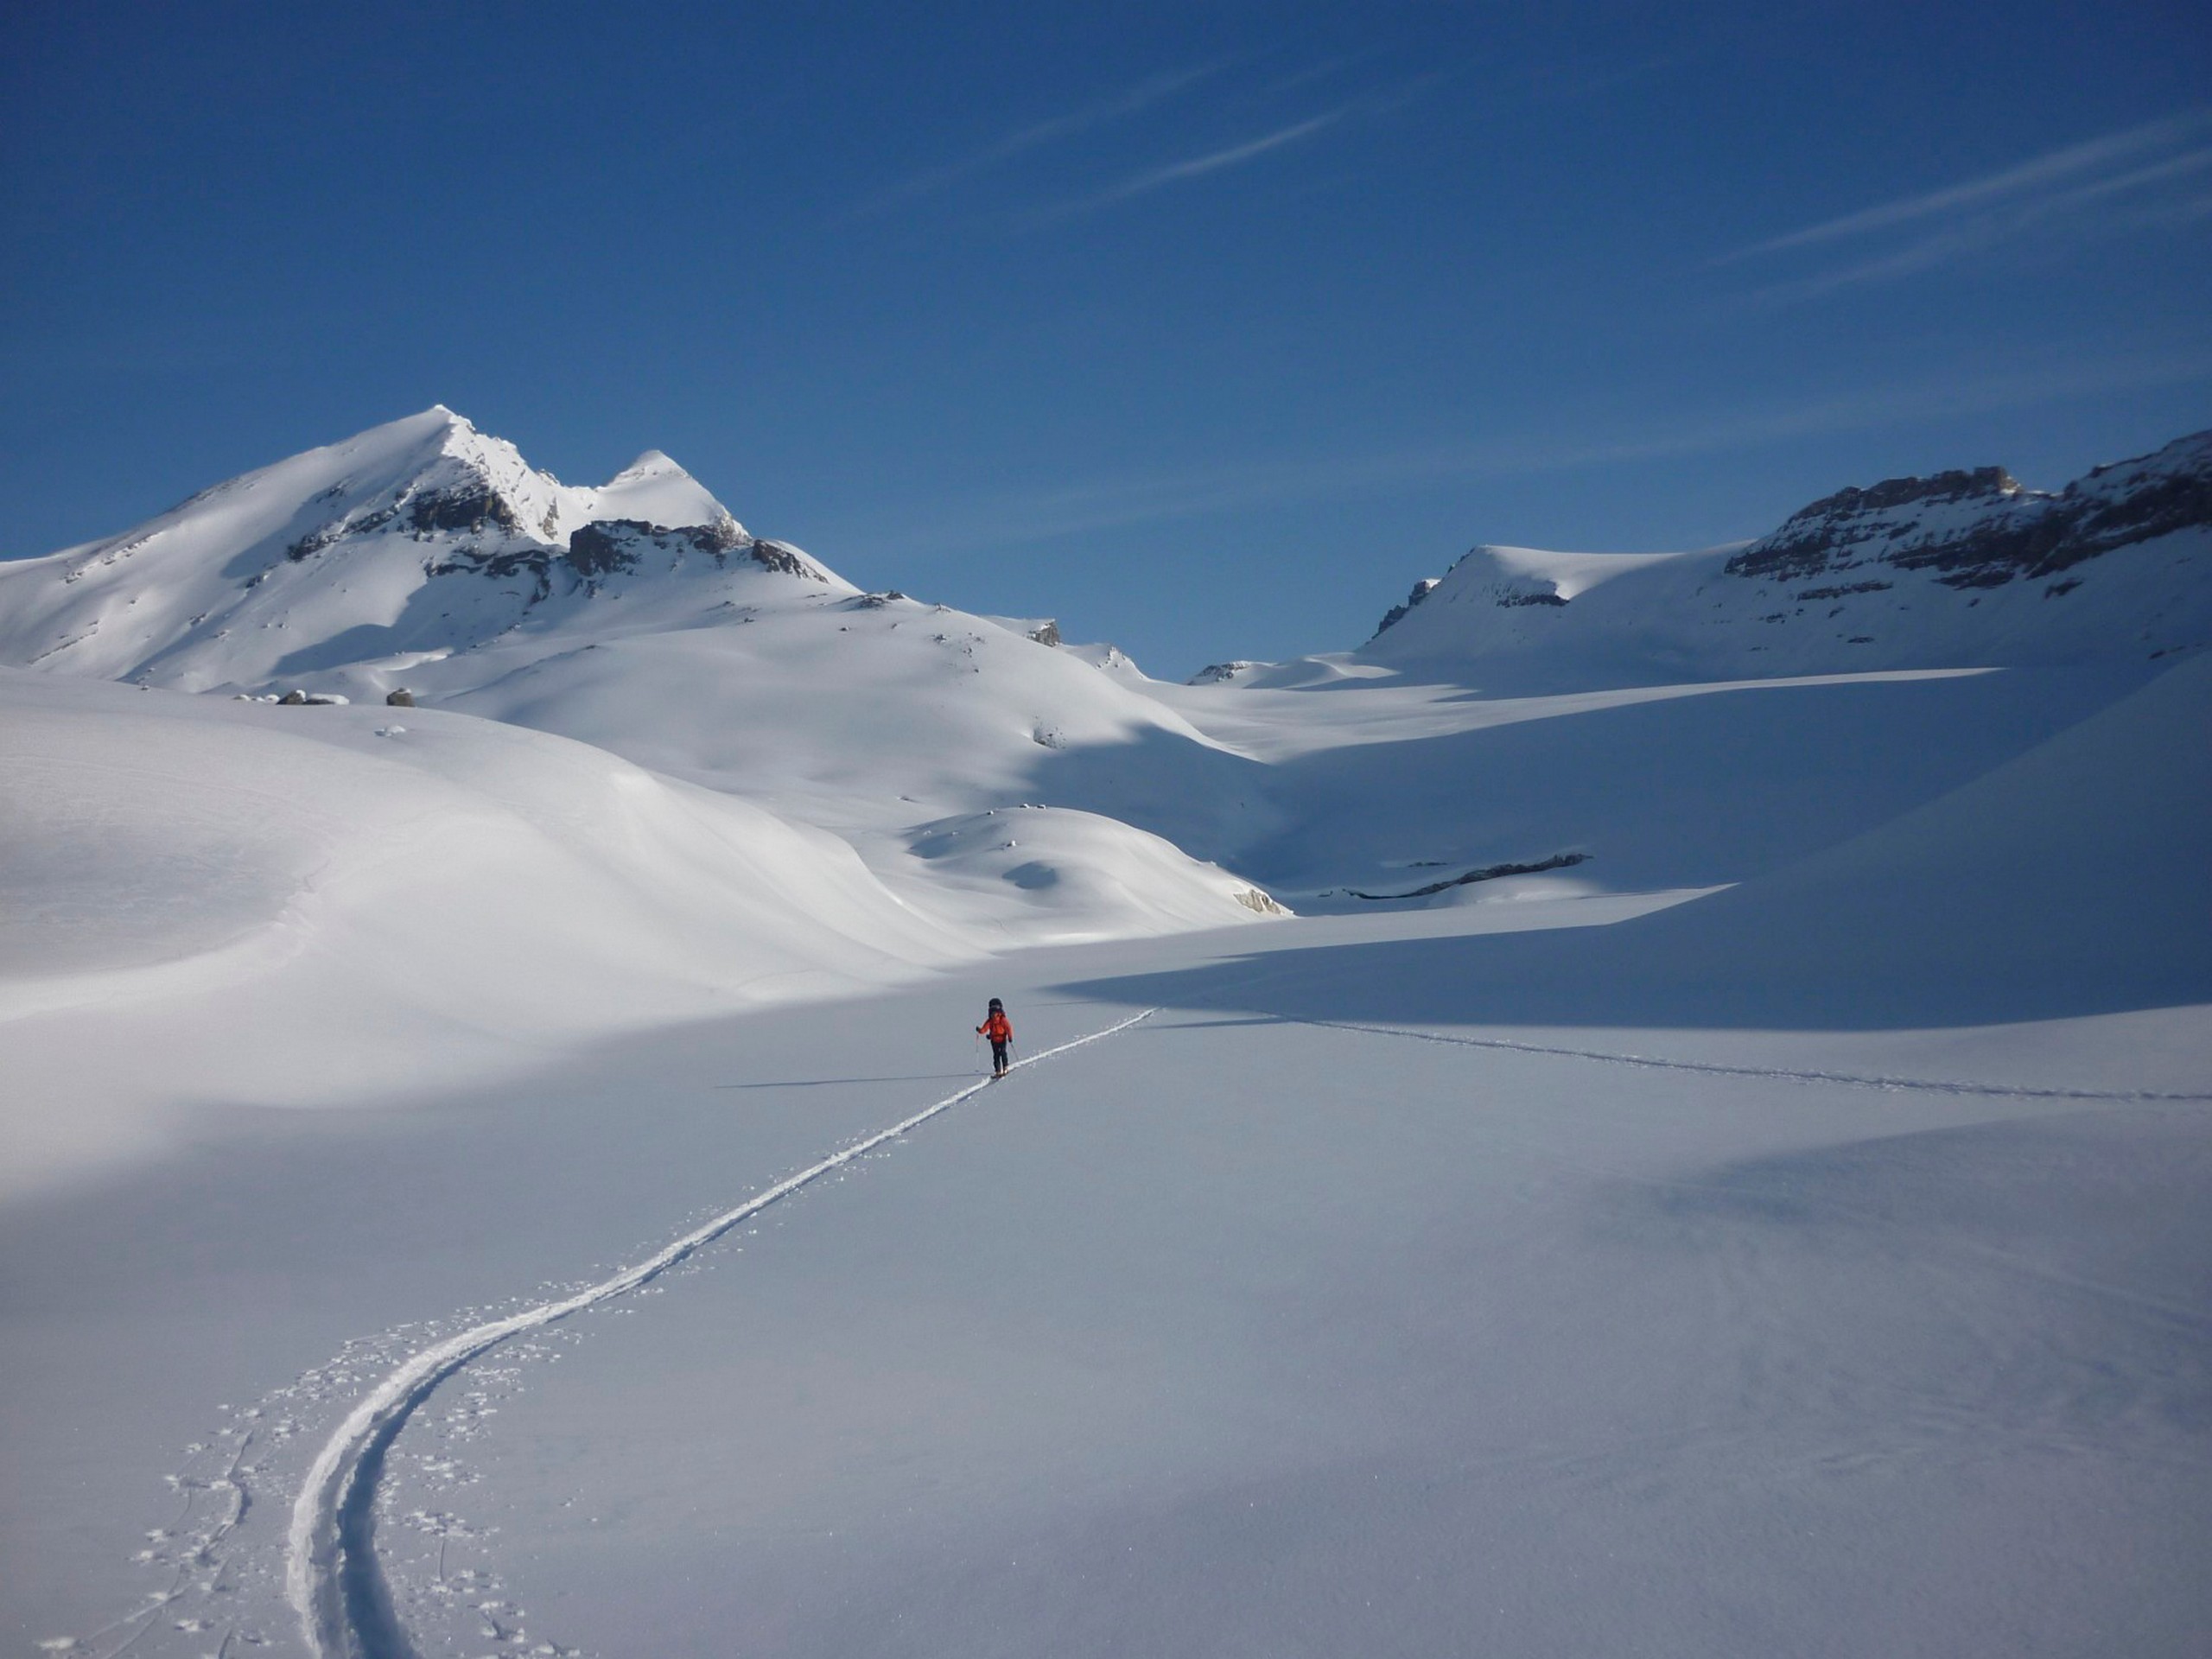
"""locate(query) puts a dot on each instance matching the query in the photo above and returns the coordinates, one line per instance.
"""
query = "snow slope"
(1240, 1330)
(2070, 881)
(299, 906)
(639, 617)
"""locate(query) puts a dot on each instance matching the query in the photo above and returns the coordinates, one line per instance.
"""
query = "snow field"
(1782, 1230)
(331, 1577)
(1312, 1341)
(1242, 1329)
(303, 906)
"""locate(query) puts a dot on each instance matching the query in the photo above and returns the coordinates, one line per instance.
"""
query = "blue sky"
(1205, 329)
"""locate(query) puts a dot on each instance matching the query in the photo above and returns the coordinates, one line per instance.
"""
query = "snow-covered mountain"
(410, 541)
(392, 886)
(1705, 1115)
(641, 617)
(1960, 569)
(1007, 787)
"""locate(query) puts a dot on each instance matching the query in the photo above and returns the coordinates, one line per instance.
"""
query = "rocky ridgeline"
(1979, 529)
(484, 531)
(1949, 570)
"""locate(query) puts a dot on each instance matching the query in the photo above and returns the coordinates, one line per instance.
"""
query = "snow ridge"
(331, 1575)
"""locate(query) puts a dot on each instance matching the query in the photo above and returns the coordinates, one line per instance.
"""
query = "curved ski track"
(331, 1576)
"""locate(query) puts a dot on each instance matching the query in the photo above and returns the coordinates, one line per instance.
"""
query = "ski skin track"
(1931, 1086)
(333, 1588)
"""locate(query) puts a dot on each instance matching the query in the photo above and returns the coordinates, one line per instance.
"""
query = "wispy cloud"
(1236, 154)
(2039, 174)
(2086, 191)
(1121, 106)
(1128, 500)
(1214, 160)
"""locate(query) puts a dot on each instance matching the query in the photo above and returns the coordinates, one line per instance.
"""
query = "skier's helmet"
(997, 1007)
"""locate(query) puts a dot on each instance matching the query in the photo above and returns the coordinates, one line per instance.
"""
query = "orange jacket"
(998, 1028)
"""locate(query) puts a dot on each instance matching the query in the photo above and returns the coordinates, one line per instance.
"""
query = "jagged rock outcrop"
(1221, 673)
(1960, 569)
(1397, 613)
(1979, 529)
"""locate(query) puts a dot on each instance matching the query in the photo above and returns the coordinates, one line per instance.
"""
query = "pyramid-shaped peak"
(654, 490)
(653, 463)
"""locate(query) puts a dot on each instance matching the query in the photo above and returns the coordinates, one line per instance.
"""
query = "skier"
(1000, 1030)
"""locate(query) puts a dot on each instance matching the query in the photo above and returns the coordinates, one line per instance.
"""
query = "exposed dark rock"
(1846, 588)
(1488, 872)
(472, 505)
(608, 545)
(399, 698)
(601, 549)
(531, 560)
(1047, 633)
(1990, 530)
(1396, 613)
(723, 536)
(786, 560)
(338, 530)
(612, 546)
(1510, 600)
(1216, 673)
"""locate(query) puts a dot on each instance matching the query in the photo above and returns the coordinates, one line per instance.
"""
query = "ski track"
(331, 1576)
(1853, 1079)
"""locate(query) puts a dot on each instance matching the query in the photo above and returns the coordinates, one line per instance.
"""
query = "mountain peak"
(653, 463)
(422, 534)
(654, 490)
